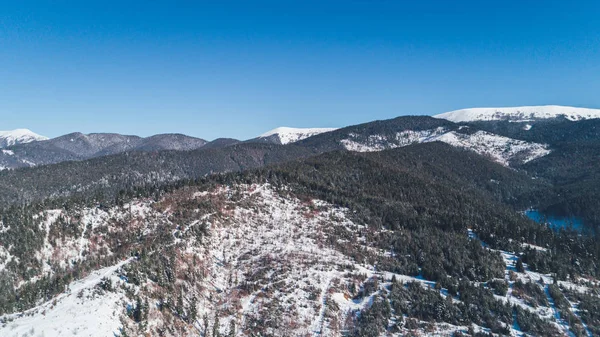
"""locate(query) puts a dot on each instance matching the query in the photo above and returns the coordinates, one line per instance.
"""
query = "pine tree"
(192, 312)
(137, 311)
(146, 309)
(520, 267)
(215, 330)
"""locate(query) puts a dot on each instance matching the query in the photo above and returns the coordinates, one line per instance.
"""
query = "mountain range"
(23, 148)
(471, 223)
(78, 146)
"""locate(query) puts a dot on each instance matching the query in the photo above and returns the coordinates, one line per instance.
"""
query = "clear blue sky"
(239, 68)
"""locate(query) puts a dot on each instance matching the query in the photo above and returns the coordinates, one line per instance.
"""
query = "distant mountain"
(382, 132)
(220, 142)
(18, 136)
(407, 130)
(78, 146)
(285, 135)
(520, 114)
(172, 141)
(110, 174)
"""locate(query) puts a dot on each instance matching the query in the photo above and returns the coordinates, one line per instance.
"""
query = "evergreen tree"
(146, 309)
(192, 311)
(179, 305)
(215, 330)
(137, 311)
(519, 266)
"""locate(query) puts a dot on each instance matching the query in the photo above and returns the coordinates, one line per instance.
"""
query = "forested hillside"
(105, 177)
(572, 167)
(387, 128)
(424, 239)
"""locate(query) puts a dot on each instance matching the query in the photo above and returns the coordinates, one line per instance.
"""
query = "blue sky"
(239, 68)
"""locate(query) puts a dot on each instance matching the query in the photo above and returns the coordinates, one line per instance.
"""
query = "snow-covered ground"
(520, 114)
(278, 244)
(84, 310)
(267, 264)
(288, 135)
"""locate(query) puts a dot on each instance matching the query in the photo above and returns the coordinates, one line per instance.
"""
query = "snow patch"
(288, 135)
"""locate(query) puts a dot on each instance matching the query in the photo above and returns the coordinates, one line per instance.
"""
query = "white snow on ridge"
(290, 135)
(520, 114)
(19, 136)
(380, 142)
(500, 149)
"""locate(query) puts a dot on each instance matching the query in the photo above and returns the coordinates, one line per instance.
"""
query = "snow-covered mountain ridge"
(500, 149)
(19, 136)
(520, 114)
(286, 135)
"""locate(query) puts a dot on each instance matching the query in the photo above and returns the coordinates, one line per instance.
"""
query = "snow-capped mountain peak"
(287, 135)
(520, 114)
(19, 136)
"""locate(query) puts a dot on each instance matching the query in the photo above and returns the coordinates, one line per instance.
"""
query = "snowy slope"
(266, 253)
(276, 243)
(84, 310)
(287, 135)
(19, 136)
(501, 149)
(520, 114)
